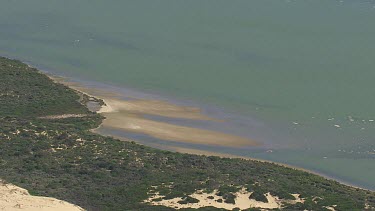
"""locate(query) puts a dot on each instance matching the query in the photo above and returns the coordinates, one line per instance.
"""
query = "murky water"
(295, 75)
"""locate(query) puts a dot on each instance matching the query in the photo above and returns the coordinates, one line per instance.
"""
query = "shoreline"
(107, 108)
(132, 116)
(193, 151)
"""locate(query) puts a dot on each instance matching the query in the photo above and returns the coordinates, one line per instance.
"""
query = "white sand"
(15, 198)
(332, 208)
(242, 201)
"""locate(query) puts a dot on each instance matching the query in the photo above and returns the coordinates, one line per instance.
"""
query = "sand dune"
(16, 198)
(242, 201)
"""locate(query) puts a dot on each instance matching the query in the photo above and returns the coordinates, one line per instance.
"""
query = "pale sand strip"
(226, 155)
(63, 116)
(207, 153)
(15, 198)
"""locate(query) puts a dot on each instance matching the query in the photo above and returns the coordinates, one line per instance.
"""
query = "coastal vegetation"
(46, 147)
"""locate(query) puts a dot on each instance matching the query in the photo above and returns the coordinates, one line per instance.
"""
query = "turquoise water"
(303, 68)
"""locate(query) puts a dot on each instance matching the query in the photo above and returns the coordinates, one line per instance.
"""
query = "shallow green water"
(305, 61)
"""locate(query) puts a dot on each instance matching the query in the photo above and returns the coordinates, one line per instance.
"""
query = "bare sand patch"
(242, 201)
(16, 198)
(332, 208)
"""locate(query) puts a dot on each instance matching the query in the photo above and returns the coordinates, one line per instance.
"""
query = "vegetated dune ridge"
(14, 198)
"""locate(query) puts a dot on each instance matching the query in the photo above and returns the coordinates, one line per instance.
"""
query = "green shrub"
(258, 196)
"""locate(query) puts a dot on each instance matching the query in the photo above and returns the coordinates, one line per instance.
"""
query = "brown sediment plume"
(110, 98)
(114, 103)
(153, 107)
(166, 131)
(129, 115)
